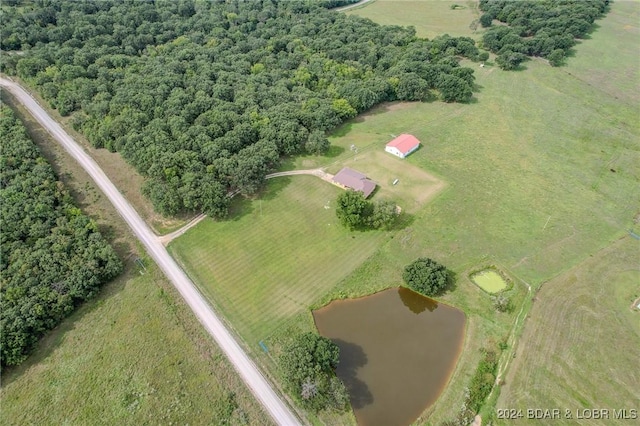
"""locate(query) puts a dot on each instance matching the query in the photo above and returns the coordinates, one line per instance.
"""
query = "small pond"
(397, 352)
(489, 280)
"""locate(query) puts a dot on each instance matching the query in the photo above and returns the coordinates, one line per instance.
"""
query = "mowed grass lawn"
(581, 344)
(132, 356)
(276, 256)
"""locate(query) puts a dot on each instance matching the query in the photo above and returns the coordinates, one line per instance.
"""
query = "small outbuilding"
(351, 179)
(403, 145)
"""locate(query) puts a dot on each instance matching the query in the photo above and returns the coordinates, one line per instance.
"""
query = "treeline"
(479, 389)
(308, 365)
(203, 98)
(537, 28)
(52, 256)
(336, 3)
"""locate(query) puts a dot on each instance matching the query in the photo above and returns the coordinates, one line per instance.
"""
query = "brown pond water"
(397, 352)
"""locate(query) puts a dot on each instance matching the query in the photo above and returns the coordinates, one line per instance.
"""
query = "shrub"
(426, 276)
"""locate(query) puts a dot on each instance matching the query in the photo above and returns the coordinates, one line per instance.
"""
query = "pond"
(489, 280)
(397, 352)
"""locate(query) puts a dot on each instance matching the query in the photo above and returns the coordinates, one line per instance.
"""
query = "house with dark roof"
(351, 179)
(403, 145)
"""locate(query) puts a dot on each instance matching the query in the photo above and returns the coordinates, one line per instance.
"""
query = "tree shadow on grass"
(352, 357)
(239, 207)
(274, 187)
(404, 220)
(342, 130)
(333, 151)
(242, 206)
(452, 281)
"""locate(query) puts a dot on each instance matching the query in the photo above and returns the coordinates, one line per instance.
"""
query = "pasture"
(431, 18)
(541, 172)
(581, 343)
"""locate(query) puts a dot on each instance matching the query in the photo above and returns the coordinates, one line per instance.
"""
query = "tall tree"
(426, 276)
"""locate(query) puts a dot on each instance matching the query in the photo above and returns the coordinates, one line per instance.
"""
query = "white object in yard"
(396, 181)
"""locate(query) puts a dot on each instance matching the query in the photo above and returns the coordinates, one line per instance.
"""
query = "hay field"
(581, 341)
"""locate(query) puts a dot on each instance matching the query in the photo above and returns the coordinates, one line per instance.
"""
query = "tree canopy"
(537, 28)
(52, 256)
(355, 212)
(308, 364)
(426, 276)
(203, 98)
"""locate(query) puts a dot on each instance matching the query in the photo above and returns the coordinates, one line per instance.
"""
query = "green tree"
(454, 89)
(52, 256)
(308, 363)
(486, 20)
(317, 143)
(426, 276)
(509, 60)
(556, 57)
(384, 214)
(353, 209)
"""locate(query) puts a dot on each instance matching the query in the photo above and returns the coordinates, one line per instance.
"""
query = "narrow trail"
(313, 172)
(166, 239)
(352, 6)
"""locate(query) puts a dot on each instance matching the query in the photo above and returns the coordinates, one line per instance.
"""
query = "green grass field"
(276, 256)
(431, 18)
(581, 342)
(540, 170)
(132, 356)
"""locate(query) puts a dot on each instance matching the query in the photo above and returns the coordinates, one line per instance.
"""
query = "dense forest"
(52, 256)
(537, 28)
(204, 98)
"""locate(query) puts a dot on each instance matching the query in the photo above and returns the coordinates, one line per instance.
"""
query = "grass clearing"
(431, 18)
(414, 188)
(581, 342)
(276, 256)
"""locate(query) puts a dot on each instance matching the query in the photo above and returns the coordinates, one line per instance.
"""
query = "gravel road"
(248, 371)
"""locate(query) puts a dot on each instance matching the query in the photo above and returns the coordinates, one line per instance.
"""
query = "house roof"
(404, 143)
(355, 180)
